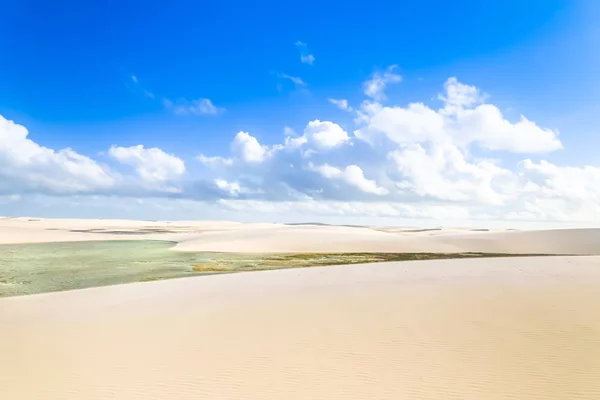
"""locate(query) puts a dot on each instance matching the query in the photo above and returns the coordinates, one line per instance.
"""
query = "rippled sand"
(455, 329)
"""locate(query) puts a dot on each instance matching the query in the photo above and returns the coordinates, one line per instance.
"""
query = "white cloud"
(573, 184)
(412, 161)
(322, 134)
(231, 188)
(27, 166)
(214, 162)
(443, 173)
(292, 142)
(194, 107)
(296, 80)
(248, 148)
(307, 59)
(342, 104)
(375, 87)
(462, 121)
(201, 106)
(460, 95)
(327, 171)
(305, 56)
(152, 165)
(326, 134)
(486, 126)
(353, 175)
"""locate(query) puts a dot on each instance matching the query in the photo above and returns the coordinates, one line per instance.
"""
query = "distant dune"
(221, 236)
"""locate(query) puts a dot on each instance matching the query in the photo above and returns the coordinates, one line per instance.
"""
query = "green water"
(49, 267)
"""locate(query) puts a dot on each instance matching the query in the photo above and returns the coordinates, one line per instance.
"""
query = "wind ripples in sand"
(460, 329)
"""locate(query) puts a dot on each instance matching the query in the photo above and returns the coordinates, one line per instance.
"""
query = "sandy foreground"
(512, 328)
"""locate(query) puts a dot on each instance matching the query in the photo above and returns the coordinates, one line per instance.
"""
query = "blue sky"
(88, 76)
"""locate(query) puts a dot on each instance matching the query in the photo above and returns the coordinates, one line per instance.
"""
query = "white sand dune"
(284, 238)
(515, 328)
(559, 241)
(269, 238)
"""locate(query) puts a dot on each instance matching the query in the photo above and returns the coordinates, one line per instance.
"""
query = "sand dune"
(457, 329)
(221, 236)
(310, 239)
(559, 241)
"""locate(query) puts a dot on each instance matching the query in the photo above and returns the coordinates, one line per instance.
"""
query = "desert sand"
(501, 328)
(456, 329)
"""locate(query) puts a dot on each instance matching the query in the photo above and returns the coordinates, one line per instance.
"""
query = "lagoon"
(49, 267)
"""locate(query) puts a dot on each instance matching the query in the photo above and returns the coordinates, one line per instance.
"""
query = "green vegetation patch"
(48, 267)
(299, 260)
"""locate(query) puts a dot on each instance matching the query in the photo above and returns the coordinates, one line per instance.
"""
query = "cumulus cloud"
(460, 95)
(152, 165)
(352, 175)
(423, 155)
(292, 142)
(463, 121)
(27, 166)
(231, 188)
(247, 147)
(326, 134)
(342, 104)
(215, 161)
(444, 173)
(317, 136)
(400, 161)
(375, 87)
